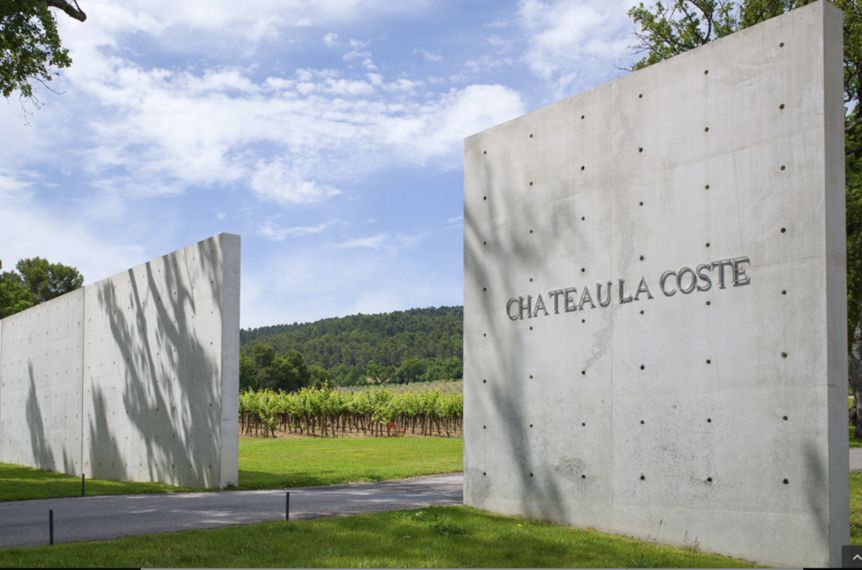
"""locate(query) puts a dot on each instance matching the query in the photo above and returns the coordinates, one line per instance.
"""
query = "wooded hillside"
(397, 347)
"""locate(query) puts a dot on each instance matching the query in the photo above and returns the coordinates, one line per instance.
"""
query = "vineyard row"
(328, 412)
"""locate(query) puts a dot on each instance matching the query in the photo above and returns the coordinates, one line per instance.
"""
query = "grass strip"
(435, 537)
(271, 464)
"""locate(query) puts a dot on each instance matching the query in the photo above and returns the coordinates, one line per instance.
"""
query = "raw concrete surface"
(716, 418)
(856, 459)
(134, 377)
(25, 523)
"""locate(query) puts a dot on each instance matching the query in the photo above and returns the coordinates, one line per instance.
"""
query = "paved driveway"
(25, 523)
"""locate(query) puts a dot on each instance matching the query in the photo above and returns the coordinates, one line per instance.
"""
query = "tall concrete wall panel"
(40, 385)
(151, 355)
(709, 414)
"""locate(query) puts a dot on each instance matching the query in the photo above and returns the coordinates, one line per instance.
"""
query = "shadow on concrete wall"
(42, 456)
(506, 378)
(154, 330)
(818, 505)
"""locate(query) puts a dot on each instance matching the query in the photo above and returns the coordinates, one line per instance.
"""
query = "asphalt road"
(25, 523)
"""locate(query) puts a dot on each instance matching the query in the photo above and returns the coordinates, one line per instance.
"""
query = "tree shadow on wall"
(541, 496)
(42, 456)
(170, 389)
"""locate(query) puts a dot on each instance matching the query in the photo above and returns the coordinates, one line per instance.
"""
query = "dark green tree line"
(398, 347)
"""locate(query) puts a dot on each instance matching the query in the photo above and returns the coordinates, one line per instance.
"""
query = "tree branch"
(70, 10)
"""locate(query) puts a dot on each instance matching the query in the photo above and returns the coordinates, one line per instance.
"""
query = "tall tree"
(681, 25)
(14, 294)
(47, 280)
(37, 280)
(30, 45)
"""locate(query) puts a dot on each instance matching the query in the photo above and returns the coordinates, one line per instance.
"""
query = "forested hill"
(402, 346)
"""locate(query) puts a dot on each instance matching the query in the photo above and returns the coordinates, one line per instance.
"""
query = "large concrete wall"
(41, 353)
(715, 418)
(135, 377)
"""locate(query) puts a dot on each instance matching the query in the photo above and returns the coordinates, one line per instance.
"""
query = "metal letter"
(740, 277)
(571, 300)
(683, 271)
(540, 306)
(721, 264)
(586, 298)
(704, 277)
(643, 288)
(514, 301)
(556, 295)
(623, 297)
(607, 300)
(661, 281)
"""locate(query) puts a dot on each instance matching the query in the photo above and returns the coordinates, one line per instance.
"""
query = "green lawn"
(272, 463)
(432, 537)
(441, 537)
(18, 483)
(856, 507)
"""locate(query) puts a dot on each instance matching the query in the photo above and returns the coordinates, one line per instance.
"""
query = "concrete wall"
(716, 418)
(135, 377)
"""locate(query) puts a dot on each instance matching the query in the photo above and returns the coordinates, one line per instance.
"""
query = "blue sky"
(328, 134)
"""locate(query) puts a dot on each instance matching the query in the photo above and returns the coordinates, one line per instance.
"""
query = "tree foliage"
(30, 45)
(37, 280)
(666, 30)
(398, 347)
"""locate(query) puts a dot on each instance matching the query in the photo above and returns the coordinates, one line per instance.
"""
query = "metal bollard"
(51, 527)
(287, 506)
(83, 479)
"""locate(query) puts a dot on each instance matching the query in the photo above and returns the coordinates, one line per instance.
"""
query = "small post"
(287, 506)
(83, 480)
(51, 527)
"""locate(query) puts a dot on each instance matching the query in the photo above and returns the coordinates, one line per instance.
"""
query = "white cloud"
(369, 242)
(277, 182)
(274, 232)
(573, 40)
(222, 25)
(288, 138)
(14, 183)
(429, 56)
(390, 243)
(29, 230)
(330, 39)
(161, 131)
(439, 128)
